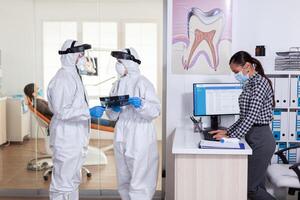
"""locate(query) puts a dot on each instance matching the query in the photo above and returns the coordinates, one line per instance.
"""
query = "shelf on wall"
(288, 108)
(282, 72)
(296, 141)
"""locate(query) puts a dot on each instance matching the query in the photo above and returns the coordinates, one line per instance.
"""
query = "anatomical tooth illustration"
(204, 33)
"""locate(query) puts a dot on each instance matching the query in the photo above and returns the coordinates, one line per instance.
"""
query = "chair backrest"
(42, 120)
(102, 128)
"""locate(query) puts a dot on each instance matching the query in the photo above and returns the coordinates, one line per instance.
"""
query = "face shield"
(85, 64)
(120, 55)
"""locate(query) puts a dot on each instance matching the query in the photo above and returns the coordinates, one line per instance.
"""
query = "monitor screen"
(216, 98)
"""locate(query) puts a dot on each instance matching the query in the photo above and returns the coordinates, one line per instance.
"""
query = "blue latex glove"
(97, 111)
(116, 108)
(135, 101)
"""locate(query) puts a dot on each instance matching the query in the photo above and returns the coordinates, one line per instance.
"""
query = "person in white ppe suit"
(135, 143)
(70, 124)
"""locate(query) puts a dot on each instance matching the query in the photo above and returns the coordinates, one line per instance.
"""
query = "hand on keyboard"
(218, 134)
(208, 136)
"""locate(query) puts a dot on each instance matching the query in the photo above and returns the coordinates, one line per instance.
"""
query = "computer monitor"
(215, 99)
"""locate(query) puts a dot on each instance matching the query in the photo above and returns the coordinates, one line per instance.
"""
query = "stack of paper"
(288, 60)
(206, 144)
(229, 140)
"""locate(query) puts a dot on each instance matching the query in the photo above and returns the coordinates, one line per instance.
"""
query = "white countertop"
(186, 142)
(3, 98)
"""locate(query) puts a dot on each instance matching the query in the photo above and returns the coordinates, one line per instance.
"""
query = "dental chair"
(285, 177)
(45, 162)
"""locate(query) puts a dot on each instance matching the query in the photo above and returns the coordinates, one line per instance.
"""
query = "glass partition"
(32, 34)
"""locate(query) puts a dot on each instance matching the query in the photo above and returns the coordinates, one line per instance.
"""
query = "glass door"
(29, 63)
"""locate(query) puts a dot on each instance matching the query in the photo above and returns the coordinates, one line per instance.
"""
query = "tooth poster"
(201, 37)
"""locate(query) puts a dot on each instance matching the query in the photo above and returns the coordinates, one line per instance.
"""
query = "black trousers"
(263, 144)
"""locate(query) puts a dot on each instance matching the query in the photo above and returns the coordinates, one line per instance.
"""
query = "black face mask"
(125, 56)
(75, 49)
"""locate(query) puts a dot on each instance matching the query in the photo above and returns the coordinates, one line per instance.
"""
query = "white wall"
(21, 30)
(16, 44)
(272, 23)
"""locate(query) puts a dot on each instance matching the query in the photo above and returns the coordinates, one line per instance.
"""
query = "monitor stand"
(214, 122)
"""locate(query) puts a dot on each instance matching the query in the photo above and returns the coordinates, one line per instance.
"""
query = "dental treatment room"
(149, 99)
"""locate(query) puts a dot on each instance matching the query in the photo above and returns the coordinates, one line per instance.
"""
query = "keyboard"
(208, 136)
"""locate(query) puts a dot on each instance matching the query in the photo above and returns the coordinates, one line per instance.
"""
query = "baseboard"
(92, 194)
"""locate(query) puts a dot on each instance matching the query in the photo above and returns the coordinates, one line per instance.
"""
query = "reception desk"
(208, 174)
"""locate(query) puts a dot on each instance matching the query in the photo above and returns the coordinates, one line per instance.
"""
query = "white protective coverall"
(135, 144)
(69, 128)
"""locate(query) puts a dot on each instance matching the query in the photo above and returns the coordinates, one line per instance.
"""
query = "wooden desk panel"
(213, 177)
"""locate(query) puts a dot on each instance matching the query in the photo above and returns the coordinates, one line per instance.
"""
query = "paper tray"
(205, 144)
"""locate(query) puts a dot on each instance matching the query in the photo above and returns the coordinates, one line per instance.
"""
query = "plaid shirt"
(256, 106)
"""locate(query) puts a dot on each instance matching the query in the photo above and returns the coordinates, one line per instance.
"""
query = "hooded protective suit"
(69, 127)
(135, 142)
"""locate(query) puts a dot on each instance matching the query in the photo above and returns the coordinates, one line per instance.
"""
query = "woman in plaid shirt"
(256, 104)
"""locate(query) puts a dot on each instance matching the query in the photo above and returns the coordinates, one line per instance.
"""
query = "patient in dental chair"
(33, 92)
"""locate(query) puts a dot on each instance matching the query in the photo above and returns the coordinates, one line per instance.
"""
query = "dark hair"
(29, 90)
(242, 57)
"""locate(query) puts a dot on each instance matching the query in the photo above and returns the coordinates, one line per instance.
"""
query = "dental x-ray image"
(91, 67)
(201, 37)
